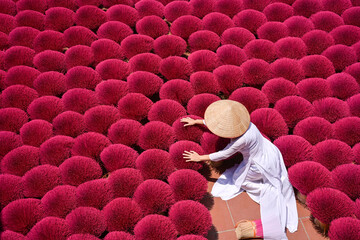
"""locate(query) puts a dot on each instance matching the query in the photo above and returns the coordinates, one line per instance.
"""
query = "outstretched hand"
(188, 121)
(191, 156)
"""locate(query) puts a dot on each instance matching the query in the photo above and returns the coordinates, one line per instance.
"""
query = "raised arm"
(189, 121)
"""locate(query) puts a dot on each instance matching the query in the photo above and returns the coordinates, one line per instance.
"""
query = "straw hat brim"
(227, 118)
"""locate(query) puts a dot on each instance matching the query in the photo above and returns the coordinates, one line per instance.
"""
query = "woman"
(262, 173)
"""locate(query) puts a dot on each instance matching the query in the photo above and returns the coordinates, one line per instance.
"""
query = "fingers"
(189, 159)
(189, 153)
(186, 119)
(188, 156)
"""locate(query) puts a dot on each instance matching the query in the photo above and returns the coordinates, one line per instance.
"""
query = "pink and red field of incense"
(92, 93)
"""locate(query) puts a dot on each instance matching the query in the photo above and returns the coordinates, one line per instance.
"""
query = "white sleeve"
(228, 151)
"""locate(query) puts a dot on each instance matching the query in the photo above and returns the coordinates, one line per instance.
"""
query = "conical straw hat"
(227, 118)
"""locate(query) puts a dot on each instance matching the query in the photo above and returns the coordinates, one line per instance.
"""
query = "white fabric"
(263, 175)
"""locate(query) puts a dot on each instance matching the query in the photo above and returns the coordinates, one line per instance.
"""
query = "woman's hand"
(192, 156)
(188, 121)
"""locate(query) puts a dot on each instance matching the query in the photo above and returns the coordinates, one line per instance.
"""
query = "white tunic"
(263, 175)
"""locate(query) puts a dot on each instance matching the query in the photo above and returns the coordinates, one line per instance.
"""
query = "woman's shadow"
(208, 199)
